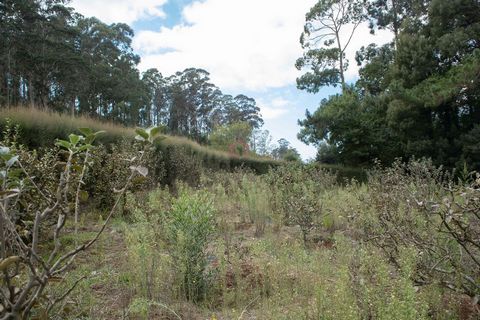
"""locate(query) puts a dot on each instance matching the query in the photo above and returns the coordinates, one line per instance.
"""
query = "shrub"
(111, 168)
(27, 270)
(416, 205)
(296, 191)
(255, 202)
(356, 282)
(191, 223)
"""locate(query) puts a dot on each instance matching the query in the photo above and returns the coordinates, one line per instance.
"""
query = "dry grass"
(40, 128)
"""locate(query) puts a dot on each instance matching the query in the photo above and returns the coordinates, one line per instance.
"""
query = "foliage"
(415, 97)
(28, 271)
(296, 192)
(360, 286)
(414, 205)
(284, 151)
(188, 104)
(255, 202)
(235, 136)
(38, 129)
(54, 58)
(261, 142)
(325, 39)
(189, 228)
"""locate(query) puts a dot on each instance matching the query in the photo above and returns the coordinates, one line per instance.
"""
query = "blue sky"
(248, 46)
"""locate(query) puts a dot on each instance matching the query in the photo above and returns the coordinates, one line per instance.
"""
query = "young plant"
(191, 224)
(26, 271)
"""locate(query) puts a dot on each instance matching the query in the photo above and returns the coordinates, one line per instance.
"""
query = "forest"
(417, 96)
(137, 195)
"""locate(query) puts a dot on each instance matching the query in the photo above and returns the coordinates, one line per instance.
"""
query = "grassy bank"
(40, 129)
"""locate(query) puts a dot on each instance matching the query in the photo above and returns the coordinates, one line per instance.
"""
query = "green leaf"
(83, 195)
(142, 133)
(74, 139)
(154, 132)
(86, 131)
(89, 139)
(63, 144)
(85, 147)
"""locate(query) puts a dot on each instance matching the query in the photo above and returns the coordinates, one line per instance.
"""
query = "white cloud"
(269, 113)
(127, 11)
(280, 102)
(244, 44)
(274, 108)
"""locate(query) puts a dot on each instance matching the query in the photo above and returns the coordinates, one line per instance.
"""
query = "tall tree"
(285, 151)
(329, 28)
(390, 14)
(416, 99)
(243, 109)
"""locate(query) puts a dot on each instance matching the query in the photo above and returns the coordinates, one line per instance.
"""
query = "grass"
(135, 272)
(40, 128)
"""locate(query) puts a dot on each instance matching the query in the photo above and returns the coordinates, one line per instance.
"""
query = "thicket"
(295, 243)
(35, 212)
(175, 157)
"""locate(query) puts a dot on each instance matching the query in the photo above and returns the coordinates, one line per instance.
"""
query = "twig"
(65, 294)
(247, 306)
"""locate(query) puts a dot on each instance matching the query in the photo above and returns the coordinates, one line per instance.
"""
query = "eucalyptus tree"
(418, 98)
(329, 29)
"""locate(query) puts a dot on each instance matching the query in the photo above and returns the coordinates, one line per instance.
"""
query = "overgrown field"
(292, 243)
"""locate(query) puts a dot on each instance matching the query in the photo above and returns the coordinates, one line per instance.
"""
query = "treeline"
(418, 96)
(54, 58)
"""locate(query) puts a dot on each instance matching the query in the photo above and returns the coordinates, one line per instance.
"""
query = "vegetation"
(104, 221)
(54, 58)
(39, 129)
(415, 97)
(291, 243)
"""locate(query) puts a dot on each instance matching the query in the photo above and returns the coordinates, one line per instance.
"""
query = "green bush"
(182, 158)
(255, 202)
(296, 193)
(190, 225)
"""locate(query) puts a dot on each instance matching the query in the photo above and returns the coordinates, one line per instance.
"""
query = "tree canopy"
(51, 57)
(416, 97)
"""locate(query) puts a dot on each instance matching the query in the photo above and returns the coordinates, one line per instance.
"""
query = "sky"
(248, 47)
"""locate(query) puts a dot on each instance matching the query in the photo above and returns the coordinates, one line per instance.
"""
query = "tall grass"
(40, 128)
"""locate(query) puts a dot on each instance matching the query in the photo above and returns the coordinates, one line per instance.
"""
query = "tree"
(375, 64)
(325, 44)
(390, 14)
(154, 112)
(233, 138)
(53, 57)
(245, 110)
(261, 142)
(284, 151)
(418, 98)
